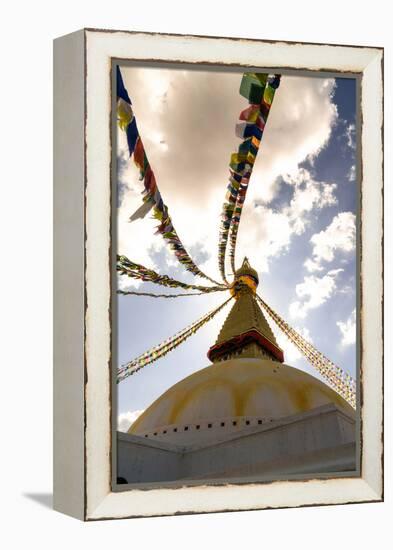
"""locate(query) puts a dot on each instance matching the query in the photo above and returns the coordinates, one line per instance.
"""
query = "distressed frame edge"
(372, 289)
(69, 274)
(375, 493)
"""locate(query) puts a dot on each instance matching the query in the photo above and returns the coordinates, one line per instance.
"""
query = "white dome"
(231, 395)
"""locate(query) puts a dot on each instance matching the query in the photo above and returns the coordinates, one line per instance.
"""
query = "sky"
(298, 226)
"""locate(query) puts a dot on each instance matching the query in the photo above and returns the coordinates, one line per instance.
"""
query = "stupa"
(247, 415)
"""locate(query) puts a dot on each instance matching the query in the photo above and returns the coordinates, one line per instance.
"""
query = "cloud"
(348, 329)
(124, 420)
(275, 228)
(308, 195)
(352, 173)
(313, 292)
(340, 235)
(311, 265)
(350, 134)
(187, 121)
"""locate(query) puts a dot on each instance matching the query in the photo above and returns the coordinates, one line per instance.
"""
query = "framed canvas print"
(218, 274)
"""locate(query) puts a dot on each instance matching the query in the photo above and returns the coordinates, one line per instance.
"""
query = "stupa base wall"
(319, 441)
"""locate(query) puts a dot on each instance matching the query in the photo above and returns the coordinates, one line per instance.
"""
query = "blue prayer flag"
(132, 135)
(121, 91)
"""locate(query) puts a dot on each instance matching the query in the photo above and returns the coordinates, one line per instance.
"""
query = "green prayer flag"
(251, 88)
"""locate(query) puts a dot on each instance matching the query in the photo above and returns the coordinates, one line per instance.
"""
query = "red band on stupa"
(242, 340)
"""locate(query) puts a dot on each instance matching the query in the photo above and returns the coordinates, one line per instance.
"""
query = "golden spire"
(245, 332)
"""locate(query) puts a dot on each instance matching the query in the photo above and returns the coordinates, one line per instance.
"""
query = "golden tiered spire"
(245, 332)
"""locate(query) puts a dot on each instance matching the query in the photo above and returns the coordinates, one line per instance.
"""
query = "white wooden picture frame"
(82, 250)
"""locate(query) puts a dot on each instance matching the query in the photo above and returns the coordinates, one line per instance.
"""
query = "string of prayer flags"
(138, 271)
(336, 377)
(264, 87)
(152, 199)
(152, 295)
(258, 89)
(165, 347)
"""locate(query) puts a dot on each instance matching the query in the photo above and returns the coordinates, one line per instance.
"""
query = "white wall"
(26, 89)
(316, 441)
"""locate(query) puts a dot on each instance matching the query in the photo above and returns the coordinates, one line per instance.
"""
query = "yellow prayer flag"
(124, 113)
(268, 95)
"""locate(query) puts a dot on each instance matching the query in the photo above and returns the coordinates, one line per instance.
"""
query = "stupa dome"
(248, 384)
(231, 395)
